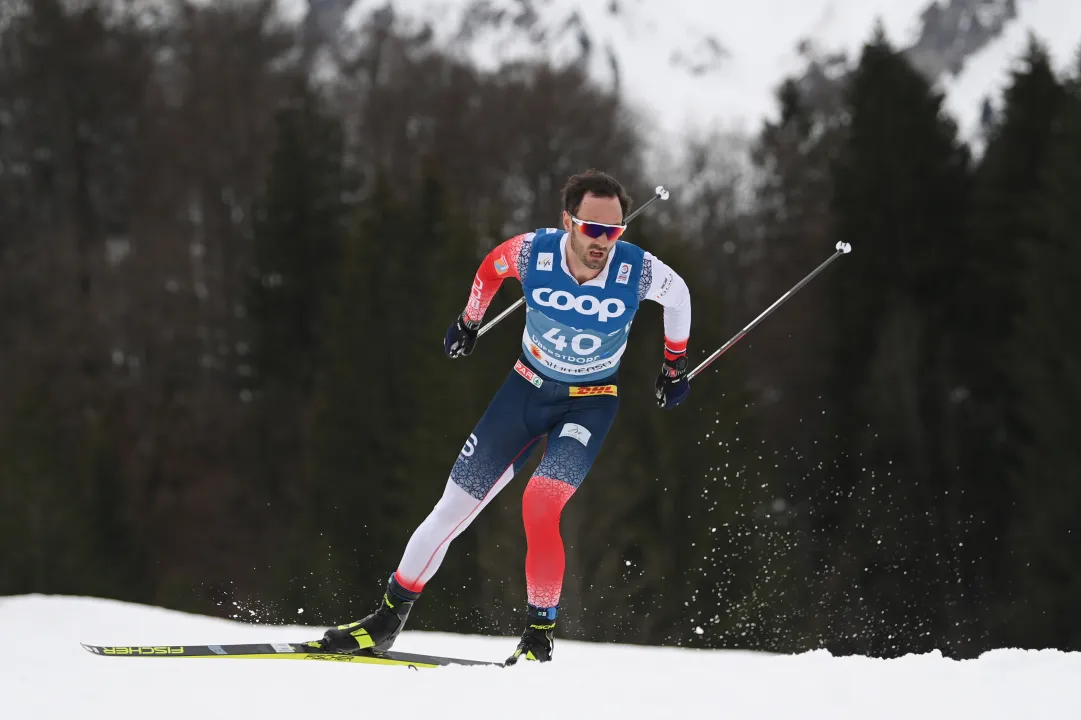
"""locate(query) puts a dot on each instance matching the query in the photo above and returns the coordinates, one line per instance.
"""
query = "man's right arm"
(506, 260)
(500, 263)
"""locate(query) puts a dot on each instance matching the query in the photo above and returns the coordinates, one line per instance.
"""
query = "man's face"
(593, 252)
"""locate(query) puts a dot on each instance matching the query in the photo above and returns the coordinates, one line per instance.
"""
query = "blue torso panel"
(573, 332)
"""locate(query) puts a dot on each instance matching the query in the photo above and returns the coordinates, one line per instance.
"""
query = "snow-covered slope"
(44, 673)
(695, 64)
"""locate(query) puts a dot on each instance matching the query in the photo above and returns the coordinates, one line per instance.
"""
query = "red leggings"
(542, 505)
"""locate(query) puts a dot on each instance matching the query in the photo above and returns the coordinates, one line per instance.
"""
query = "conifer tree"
(1046, 370)
(1005, 221)
(901, 185)
(298, 235)
(350, 501)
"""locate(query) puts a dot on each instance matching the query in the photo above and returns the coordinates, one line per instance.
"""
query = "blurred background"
(232, 235)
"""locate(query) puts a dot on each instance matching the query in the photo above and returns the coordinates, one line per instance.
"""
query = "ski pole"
(843, 248)
(659, 194)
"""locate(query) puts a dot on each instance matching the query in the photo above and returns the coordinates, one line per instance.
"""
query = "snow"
(290, 11)
(51, 676)
(1055, 23)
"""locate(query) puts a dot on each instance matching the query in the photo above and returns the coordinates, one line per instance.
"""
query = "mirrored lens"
(595, 230)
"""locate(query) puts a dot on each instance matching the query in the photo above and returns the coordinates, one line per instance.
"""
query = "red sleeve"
(673, 349)
(500, 263)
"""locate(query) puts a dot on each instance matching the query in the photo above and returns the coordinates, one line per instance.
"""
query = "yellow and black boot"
(539, 636)
(376, 632)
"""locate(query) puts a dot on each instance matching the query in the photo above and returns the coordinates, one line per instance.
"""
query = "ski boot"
(376, 632)
(538, 638)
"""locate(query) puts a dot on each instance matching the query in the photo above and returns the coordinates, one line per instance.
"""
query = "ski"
(280, 651)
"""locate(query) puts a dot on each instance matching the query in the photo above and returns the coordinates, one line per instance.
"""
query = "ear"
(566, 221)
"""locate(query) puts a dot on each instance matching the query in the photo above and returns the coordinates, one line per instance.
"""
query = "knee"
(455, 505)
(543, 501)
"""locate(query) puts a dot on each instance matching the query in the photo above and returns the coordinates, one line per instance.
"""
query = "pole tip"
(844, 247)
(661, 192)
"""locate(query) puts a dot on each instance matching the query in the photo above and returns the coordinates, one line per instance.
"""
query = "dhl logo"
(145, 650)
(594, 390)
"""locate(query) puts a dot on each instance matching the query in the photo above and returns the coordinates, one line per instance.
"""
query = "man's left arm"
(663, 285)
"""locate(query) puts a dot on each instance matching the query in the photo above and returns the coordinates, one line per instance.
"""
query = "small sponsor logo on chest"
(545, 260)
(624, 275)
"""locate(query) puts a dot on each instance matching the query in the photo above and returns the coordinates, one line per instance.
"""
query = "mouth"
(596, 254)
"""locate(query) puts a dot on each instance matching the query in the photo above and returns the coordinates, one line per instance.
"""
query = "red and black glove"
(461, 337)
(672, 384)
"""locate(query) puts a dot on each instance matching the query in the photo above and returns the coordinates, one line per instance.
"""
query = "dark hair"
(596, 182)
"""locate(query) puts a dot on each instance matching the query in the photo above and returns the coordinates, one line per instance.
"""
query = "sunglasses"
(596, 229)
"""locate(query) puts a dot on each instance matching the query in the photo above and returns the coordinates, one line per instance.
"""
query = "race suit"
(564, 389)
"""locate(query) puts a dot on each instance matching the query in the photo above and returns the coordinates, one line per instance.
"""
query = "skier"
(582, 287)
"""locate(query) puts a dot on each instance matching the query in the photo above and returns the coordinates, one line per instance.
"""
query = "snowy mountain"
(694, 64)
(1056, 23)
